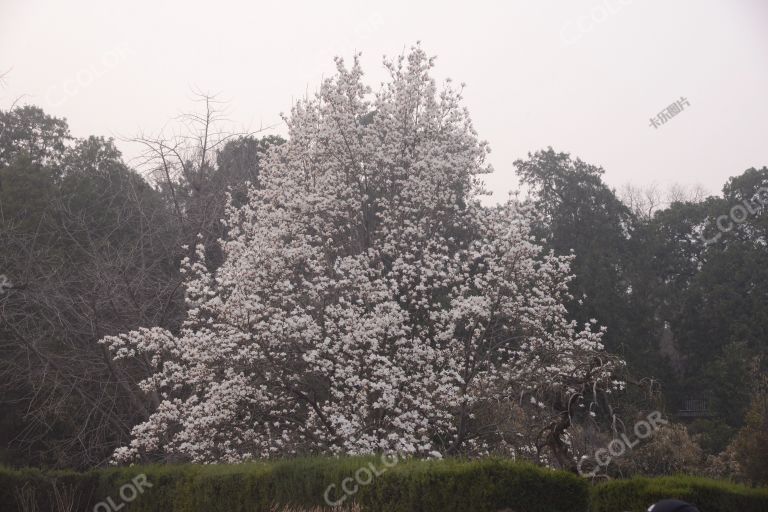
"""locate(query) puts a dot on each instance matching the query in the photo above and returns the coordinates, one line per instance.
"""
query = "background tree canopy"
(93, 248)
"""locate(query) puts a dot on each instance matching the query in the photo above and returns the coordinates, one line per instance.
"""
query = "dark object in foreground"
(672, 506)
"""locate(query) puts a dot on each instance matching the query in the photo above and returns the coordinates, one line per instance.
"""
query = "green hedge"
(466, 486)
(35, 485)
(440, 486)
(637, 494)
(174, 488)
(488, 485)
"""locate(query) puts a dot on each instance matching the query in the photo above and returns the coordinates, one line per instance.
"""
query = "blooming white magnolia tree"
(367, 302)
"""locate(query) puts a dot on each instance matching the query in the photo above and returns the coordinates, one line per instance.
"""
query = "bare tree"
(678, 193)
(82, 284)
(183, 164)
(97, 253)
(645, 201)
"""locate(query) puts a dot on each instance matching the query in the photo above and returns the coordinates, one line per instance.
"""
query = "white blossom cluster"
(367, 302)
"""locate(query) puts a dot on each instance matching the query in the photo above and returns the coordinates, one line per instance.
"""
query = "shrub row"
(370, 483)
(638, 493)
(366, 483)
(483, 485)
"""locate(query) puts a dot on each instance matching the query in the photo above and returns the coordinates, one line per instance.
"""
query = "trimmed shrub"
(637, 494)
(32, 489)
(192, 488)
(480, 485)
(304, 481)
(374, 485)
(387, 485)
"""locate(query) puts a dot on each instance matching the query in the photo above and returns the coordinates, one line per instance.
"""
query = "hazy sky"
(581, 76)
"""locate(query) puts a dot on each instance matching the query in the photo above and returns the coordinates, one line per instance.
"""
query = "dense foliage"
(708, 495)
(358, 297)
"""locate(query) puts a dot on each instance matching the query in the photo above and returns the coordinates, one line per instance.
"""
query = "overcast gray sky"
(582, 76)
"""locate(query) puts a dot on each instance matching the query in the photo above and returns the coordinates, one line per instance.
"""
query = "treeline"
(91, 247)
(682, 286)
